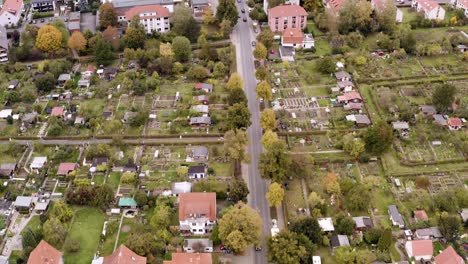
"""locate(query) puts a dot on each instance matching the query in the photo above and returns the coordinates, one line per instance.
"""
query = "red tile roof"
(349, 97)
(137, 10)
(463, 3)
(197, 204)
(190, 258)
(449, 256)
(44, 253)
(123, 255)
(90, 68)
(293, 36)
(427, 5)
(336, 4)
(422, 247)
(454, 121)
(287, 11)
(57, 111)
(420, 215)
(12, 6)
(65, 167)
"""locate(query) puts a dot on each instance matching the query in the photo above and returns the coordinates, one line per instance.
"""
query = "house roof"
(200, 151)
(343, 84)
(396, 216)
(353, 106)
(361, 119)
(286, 51)
(131, 3)
(127, 202)
(57, 111)
(90, 68)
(400, 125)
(464, 214)
(74, 16)
(199, 86)
(8, 166)
(73, 25)
(349, 96)
(44, 253)
(197, 205)
(204, 242)
(286, 11)
(181, 187)
(202, 97)
(421, 247)
(38, 162)
(420, 215)
(65, 167)
(342, 74)
(363, 221)
(99, 161)
(200, 120)
(4, 113)
(64, 77)
(381, 4)
(123, 255)
(190, 258)
(196, 169)
(293, 36)
(200, 108)
(4, 43)
(454, 121)
(440, 120)
(428, 109)
(326, 224)
(339, 241)
(336, 4)
(427, 5)
(422, 232)
(449, 256)
(148, 11)
(12, 6)
(23, 201)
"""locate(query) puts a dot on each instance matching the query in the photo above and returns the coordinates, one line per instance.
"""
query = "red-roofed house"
(44, 253)
(420, 215)
(448, 256)
(429, 8)
(66, 167)
(294, 37)
(460, 4)
(90, 70)
(155, 18)
(122, 255)
(351, 97)
(57, 111)
(190, 258)
(381, 5)
(334, 5)
(286, 17)
(419, 249)
(11, 12)
(197, 212)
(454, 123)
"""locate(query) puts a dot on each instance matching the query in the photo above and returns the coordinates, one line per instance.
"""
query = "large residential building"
(121, 255)
(4, 45)
(122, 6)
(42, 5)
(448, 256)
(429, 8)
(460, 4)
(381, 5)
(11, 13)
(295, 38)
(190, 258)
(155, 18)
(45, 253)
(197, 212)
(419, 249)
(285, 17)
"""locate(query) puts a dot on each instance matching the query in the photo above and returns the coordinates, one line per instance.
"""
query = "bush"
(42, 15)
(72, 245)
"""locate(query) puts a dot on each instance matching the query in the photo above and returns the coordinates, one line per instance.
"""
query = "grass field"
(114, 179)
(34, 224)
(86, 228)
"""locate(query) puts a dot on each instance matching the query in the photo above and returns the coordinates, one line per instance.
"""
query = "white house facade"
(430, 8)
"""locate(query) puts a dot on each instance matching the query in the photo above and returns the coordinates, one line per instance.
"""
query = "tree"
(72, 245)
(182, 171)
(358, 198)
(107, 15)
(266, 37)
(345, 255)
(386, 17)
(183, 23)
(128, 177)
(61, 211)
(372, 236)
(198, 73)
(408, 41)
(354, 146)
(314, 200)
(355, 15)
(275, 195)
(60, 25)
(77, 41)
(49, 39)
(234, 148)
(238, 191)
(312, 5)
(326, 65)
(103, 51)
(141, 198)
(261, 73)
(112, 36)
(443, 96)
(182, 48)
(446, 201)
(54, 232)
(103, 196)
(331, 184)
(235, 82)
(208, 17)
(450, 226)
(240, 227)
(225, 27)
(227, 9)
(220, 70)
(344, 225)
(284, 248)
(153, 82)
(260, 52)
(268, 119)
(142, 243)
(135, 35)
(422, 182)
(309, 227)
(161, 218)
(238, 116)
(268, 138)
(263, 90)
(237, 95)
(275, 162)
(378, 138)
(30, 240)
(45, 83)
(385, 240)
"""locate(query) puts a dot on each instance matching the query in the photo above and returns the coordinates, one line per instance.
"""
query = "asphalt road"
(243, 34)
(193, 140)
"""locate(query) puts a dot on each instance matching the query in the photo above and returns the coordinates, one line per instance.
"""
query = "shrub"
(42, 15)
(72, 245)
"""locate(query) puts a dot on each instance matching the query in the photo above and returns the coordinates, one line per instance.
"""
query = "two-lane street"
(243, 32)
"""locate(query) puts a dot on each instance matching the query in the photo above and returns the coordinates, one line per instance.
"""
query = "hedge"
(37, 15)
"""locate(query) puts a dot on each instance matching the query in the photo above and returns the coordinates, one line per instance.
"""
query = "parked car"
(254, 43)
(42, 20)
(244, 19)
(243, 10)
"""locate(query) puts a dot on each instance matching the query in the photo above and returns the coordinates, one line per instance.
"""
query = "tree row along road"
(183, 140)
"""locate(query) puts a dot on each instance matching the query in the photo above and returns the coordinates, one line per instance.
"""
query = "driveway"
(15, 242)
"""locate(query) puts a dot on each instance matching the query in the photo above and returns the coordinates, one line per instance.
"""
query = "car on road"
(50, 19)
(258, 248)
(42, 20)
(238, 1)
(243, 10)
(244, 19)
(254, 43)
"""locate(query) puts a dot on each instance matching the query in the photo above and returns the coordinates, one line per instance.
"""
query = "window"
(200, 230)
(193, 224)
(194, 230)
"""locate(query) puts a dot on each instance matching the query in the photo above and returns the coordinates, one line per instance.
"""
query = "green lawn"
(114, 179)
(98, 180)
(15, 255)
(325, 254)
(322, 47)
(221, 169)
(86, 228)
(34, 224)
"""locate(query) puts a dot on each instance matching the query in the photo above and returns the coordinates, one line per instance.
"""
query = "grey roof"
(181, 187)
(74, 16)
(200, 151)
(99, 161)
(132, 3)
(363, 221)
(8, 166)
(423, 232)
(461, 46)
(199, 2)
(343, 84)
(64, 77)
(23, 201)
(129, 115)
(41, 1)
(4, 260)
(29, 117)
(400, 125)
(196, 169)
(200, 120)
(286, 51)
(3, 38)
(440, 120)
(342, 74)
(74, 25)
(396, 216)
(436, 232)
(464, 214)
(204, 242)
(428, 109)
(14, 82)
(339, 241)
(362, 119)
